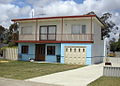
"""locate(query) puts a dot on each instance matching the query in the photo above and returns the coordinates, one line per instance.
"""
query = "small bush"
(5, 42)
(10, 44)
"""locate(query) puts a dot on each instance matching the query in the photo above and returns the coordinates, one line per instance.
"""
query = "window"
(48, 32)
(27, 30)
(66, 49)
(43, 33)
(83, 29)
(51, 32)
(50, 50)
(83, 50)
(70, 49)
(75, 50)
(78, 29)
(24, 49)
(75, 29)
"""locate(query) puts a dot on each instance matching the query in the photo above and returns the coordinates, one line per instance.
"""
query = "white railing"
(111, 71)
(58, 37)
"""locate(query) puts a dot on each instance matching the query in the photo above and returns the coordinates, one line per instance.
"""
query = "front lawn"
(24, 70)
(106, 81)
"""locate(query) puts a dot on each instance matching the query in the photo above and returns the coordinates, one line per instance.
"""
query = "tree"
(115, 46)
(110, 26)
(2, 29)
(118, 45)
(13, 32)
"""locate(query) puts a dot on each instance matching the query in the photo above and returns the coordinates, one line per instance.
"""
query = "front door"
(40, 52)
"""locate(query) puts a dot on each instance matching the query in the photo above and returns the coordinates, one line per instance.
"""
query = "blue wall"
(88, 50)
(31, 51)
(59, 51)
(52, 58)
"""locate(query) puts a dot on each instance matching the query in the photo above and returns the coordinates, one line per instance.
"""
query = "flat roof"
(56, 17)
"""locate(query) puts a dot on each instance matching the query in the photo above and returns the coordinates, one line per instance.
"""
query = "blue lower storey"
(59, 50)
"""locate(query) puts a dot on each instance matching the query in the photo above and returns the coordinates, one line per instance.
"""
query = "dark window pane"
(48, 32)
(70, 49)
(50, 50)
(83, 50)
(24, 49)
(83, 29)
(75, 50)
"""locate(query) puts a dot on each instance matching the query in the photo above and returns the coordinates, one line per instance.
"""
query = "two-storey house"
(64, 39)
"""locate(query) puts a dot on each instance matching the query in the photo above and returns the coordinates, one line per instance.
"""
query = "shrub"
(10, 44)
(5, 42)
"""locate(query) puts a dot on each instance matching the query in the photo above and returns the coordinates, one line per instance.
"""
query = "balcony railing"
(67, 37)
(58, 37)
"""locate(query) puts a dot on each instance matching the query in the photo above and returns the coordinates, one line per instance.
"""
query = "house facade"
(64, 39)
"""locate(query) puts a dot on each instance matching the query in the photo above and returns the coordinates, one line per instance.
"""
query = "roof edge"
(25, 19)
(22, 41)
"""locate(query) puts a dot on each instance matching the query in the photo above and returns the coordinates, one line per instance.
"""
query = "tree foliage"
(13, 32)
(110, 26)
(115, 46)
(2, 30)
(9, 35)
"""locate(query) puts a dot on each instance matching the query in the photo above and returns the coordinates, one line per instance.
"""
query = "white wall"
(27, 37)
(67, 25)
(57, 22)
(98, 45)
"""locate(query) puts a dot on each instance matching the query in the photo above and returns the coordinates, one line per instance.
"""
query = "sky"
(10, 9)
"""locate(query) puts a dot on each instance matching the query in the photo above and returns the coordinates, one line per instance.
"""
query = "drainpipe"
(36, 30)
(62, 30)
(91, 30)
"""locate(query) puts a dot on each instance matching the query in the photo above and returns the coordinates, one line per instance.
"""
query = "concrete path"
(76, 77)
(13, 82)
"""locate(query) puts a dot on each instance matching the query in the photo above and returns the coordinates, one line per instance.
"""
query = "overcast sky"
(10, 9)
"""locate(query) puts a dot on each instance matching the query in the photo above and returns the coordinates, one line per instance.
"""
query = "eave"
(22, 41)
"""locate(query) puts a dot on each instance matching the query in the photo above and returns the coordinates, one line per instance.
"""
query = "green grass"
(106, 81)
(24, 70)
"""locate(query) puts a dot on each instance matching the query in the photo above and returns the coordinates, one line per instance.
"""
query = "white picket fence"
(10, 53)
(111, 71)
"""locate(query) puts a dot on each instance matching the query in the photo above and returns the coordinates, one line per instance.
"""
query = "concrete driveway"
(13, 82)
(76, 77)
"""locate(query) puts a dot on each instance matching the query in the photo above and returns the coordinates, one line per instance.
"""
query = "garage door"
(75, 55)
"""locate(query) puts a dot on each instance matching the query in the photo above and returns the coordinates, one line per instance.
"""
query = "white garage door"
(75, 55)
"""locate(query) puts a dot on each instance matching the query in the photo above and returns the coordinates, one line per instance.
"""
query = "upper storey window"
(26, 30)
(48, 32)
(78, 29)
